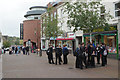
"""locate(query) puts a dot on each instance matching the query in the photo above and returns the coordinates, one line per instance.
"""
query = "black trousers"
(93, 60)
(65, 59)
(27, 52)
(82, 59)
(89, 59)
(50, 58)
(98, 58)
(58, 58)
(103, 60)
(77, 64)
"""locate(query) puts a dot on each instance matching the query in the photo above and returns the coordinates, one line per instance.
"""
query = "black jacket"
(58, 51)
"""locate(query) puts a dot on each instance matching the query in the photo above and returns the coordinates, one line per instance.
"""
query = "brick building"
(32, 27)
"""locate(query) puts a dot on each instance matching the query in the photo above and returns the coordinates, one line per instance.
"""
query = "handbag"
(85, 53)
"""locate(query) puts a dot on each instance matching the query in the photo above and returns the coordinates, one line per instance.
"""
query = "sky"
(12, 14)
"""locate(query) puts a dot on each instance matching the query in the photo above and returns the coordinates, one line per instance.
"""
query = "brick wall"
(30, 28)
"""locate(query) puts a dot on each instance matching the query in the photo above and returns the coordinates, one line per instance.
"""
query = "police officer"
(50, 54)
(65, 53)
(76, 54)
(98, 53)
(82, 56)
(102, 53)
(58, 54)
(92, 52)
(89, 54)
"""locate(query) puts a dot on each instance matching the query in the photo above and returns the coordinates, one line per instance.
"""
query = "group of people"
(17, 50)
(58, 53)
(86, 54)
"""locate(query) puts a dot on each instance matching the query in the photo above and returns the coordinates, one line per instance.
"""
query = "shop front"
(107, 37)
(44, 44)
(69, 40)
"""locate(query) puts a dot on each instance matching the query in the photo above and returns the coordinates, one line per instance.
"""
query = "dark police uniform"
(98, 54)
(50, 55)
(76, 53)
(82, 57)
(58, 55)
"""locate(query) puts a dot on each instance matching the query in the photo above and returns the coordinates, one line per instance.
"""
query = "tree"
(50, 24)
(86, 16)
(6, 44)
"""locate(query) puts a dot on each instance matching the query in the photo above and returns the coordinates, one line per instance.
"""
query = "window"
(35, 17)
(117, 9)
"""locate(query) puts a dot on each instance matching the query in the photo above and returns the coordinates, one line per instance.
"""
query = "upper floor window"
(35, 17)
(117, 9)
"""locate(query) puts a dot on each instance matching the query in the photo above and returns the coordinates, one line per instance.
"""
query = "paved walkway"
(33, 66)
(0, 67)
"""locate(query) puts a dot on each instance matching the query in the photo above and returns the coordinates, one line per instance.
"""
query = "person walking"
(50, 54)
(98, 53)
(65, 53)
(58, 54)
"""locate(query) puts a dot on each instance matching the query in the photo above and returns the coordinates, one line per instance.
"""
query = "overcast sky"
(12, 14)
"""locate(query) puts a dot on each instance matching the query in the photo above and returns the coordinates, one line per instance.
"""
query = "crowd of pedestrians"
(85, 55)
(18, 50)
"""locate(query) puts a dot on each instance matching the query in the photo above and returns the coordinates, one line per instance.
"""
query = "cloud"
(12, 14)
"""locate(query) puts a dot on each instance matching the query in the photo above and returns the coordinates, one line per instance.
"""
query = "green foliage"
(86, 16)
(51, 28)
(6, 44)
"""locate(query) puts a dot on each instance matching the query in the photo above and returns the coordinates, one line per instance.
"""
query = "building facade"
(32, 27)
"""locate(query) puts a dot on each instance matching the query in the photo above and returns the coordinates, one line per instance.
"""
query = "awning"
(64, 38)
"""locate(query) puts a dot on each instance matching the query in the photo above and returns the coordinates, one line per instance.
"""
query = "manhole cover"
(70, 68)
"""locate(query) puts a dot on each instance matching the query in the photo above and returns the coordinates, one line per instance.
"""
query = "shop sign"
(70, 35)
(52, 38)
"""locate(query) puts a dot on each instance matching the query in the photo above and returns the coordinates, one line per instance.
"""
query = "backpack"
(75, 53)
(66, 52)
(105, 52)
